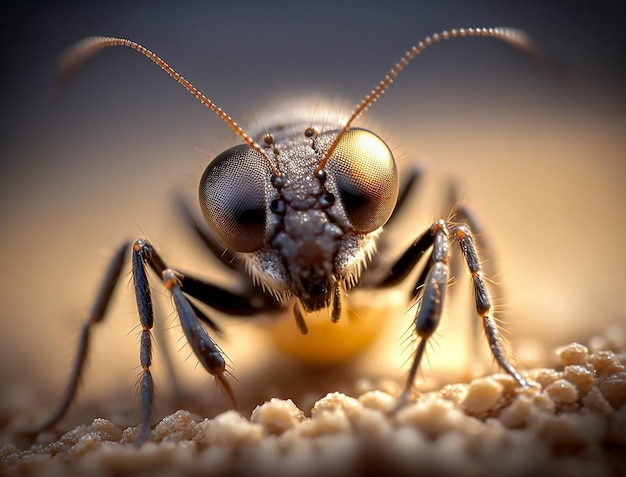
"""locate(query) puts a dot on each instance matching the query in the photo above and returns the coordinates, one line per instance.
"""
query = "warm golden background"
(540, 157)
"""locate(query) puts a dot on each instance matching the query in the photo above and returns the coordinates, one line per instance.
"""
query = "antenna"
(88, 47)
(514, 37)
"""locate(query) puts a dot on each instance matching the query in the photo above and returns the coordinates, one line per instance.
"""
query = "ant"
(301, 207)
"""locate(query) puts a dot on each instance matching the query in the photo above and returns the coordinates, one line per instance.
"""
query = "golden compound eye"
(366, 177)
(232, 198)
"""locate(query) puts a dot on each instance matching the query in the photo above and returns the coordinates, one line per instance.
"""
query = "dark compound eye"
(232, 198)
(366, 177)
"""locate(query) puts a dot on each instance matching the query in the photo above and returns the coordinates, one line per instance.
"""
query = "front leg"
(434, 290)
(201, 343)
(434, 283)
(144, 255)
(482, 299)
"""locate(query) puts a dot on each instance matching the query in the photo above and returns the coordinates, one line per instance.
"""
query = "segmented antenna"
(88, 47)
(515, 37)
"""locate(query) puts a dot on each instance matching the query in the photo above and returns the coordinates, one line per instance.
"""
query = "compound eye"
(366, 178)
(232, 198)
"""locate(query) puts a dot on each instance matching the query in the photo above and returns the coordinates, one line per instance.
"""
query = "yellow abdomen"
(328, 343)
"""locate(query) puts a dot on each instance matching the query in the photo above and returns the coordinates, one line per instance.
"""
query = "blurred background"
(540, 157)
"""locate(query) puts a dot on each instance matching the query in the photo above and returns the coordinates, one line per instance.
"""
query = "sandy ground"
(572, 421)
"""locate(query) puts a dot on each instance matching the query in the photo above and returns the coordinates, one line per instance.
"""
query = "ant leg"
(466, 216)
(97, 314)
(483, 301)
(201, 343)
(146, 316)
(204, 348)
(429, 312)
(408, 261)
